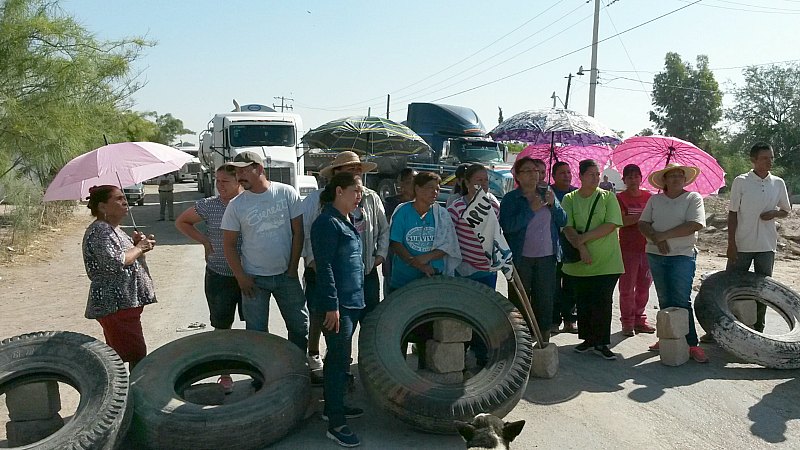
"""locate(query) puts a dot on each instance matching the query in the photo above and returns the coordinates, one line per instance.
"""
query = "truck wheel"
(86, 364)
(163, 419)
(140, 202)
(200, 184)
(386, 188)
(712, 307)
(428, 405)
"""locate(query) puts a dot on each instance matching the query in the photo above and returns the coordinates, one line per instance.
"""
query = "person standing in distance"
(564, 300)
(268, 217)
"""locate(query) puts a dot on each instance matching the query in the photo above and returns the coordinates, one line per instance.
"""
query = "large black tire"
(386, 188)
(164, 420)
(714, 314)
(427, 405)
(86, 364)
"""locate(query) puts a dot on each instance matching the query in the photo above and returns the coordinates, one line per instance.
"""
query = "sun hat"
(656, 178)
(345, 159)
(246, 158)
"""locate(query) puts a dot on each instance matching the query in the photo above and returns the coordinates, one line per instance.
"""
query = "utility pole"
(566, 99)
(283, 106)
(593, 71)
(388, 97)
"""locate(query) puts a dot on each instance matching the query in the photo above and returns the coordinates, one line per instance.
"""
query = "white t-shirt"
(752, 195)
(665, 213)
(264, 221)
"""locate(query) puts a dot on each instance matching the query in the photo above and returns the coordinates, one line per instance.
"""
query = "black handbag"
(570, 254)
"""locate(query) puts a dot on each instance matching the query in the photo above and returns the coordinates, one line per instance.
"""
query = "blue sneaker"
(344, 437)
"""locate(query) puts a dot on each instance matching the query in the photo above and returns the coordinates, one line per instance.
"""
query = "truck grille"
(279, 174)
(193, 167)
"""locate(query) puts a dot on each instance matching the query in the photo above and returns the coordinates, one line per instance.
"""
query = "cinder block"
(672, 323)
(33, 401)
(447, 330)
(673, 352)
(27, 432)
(442, 378)
(745, 311)
(545, 361)
(205, 394)
(443, 357)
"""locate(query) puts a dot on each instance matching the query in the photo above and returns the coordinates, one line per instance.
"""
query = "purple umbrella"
(652, 153)
(570, 154)
(549, 126)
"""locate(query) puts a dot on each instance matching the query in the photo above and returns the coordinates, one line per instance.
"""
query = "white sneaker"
(314, 362)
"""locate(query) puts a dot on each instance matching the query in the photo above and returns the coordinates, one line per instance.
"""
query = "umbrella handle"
(130, 213)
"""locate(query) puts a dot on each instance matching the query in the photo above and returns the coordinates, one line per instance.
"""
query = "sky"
(342, 58)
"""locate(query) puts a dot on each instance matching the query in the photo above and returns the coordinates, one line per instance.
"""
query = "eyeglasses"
(528, 171)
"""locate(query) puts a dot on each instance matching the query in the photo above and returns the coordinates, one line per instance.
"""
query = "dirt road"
(634, 402)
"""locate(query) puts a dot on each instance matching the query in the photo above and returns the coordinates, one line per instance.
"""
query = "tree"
(646, 132)
(767, 108)
(687, 102)
(168, 128)
(58, 86)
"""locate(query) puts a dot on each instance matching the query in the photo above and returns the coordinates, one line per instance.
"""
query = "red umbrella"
(570, 154)
(652, 153)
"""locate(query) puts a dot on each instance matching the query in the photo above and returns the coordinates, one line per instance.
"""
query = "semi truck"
(455, 134)
(259, 128)
(191, 170)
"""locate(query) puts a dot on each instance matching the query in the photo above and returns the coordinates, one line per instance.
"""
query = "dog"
(488, 432)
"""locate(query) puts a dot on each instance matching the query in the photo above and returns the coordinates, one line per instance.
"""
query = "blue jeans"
(673, 277)
(762, 262)
(337, 364)
(223, 296)
(291, 301)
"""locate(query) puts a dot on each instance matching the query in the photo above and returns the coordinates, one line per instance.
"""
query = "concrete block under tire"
(33, 401)
(444, 357)
(746, 311)
(545, 361)
(426, 405)
(672, 323)
(673, 352)
(451, 331)
(162, 419)
(83, 362)
(712, 309)
(27, 432)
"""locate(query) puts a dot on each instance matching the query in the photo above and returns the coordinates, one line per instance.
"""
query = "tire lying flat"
(83, 362)
(714, 314)
(427, 405)
(164, 420)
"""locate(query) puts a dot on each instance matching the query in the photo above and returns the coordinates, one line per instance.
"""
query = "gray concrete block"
(672, 323)
(33, 401)
(673, 352)
(27, 432)
(442, 378)
(545, 361)
(447, 330)
(745, 311)
(443, 357)
(205, 394)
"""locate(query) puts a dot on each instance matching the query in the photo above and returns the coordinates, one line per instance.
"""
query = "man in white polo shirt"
(757, 199)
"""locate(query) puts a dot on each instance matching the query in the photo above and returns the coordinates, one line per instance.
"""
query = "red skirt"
(123, 333)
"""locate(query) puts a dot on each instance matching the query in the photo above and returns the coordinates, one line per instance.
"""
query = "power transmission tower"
(283, 106)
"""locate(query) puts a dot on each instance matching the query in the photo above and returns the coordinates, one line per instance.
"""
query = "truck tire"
(431, 406)
(164, 420)
(86, 364)
(714, 314)
(386, 188)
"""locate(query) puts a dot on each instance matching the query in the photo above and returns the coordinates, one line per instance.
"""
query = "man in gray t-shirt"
(269, 218)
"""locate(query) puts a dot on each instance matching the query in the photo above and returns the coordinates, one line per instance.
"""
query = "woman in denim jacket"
(530, 219)
(340, 295)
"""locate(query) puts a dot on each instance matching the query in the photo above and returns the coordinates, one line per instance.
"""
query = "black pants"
(594, 298)
(564, 299)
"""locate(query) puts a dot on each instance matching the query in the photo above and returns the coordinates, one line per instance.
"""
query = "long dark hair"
(343, 180)
(471, 170)
(97, 195)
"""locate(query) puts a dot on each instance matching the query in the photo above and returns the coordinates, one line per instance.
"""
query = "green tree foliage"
(687, 102)
(168, 128)
(59, 87)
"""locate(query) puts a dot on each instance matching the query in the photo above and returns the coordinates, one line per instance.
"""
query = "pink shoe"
(226, 382)
(697, 354)
(627, 331)
(644, 328)
(654, 347)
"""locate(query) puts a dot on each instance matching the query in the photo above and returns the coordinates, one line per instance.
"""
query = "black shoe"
(605, 352)
(583, 347)
(349, 413)
(344, 437)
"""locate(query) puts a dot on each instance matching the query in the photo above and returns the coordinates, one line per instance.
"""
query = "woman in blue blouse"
(530, 218)
(339, 295)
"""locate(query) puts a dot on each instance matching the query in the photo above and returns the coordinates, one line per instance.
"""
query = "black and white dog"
(488, 432)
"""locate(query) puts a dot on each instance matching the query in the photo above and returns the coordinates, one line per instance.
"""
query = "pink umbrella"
(122, 164)
(570, 154)
(652, 153)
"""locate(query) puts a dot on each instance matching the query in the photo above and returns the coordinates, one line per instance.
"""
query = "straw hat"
(346, 159)
(656, 178)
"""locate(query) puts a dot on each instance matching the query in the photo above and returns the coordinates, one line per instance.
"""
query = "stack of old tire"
(715, 306)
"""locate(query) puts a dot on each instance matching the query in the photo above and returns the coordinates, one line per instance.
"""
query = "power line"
(711, 68)
(773, 11)
(623, 46)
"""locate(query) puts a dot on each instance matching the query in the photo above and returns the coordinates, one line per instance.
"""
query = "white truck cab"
(273, 135)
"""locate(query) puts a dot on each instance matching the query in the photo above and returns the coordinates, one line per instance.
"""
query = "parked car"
(135, 194)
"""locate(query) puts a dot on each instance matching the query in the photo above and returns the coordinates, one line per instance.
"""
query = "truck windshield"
(484, 152)
(262, 135)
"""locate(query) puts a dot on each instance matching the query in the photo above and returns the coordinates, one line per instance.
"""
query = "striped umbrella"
(366, 136)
